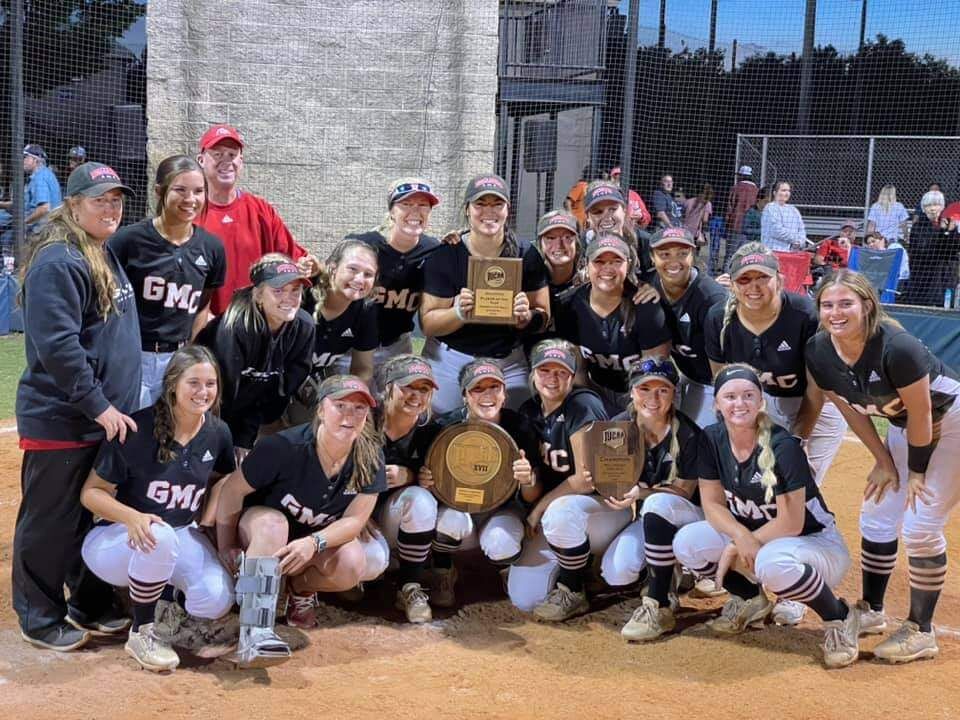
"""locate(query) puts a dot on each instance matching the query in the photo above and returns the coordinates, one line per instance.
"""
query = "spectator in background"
(636, 208)
(887, 216)
(918, 211)
(834, 252)
(575, 196)
(248, 225)
(667, 212)
(40, 196)
(75, 158)
(876, 241)
(781, 227)
(752, 222)
(933, 253)
(696, 215)
(742, 197)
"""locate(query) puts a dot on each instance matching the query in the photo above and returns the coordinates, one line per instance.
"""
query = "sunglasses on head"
(664, 369)
(409, 188)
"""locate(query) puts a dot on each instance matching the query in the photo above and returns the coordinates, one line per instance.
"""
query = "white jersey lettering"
(304, 515)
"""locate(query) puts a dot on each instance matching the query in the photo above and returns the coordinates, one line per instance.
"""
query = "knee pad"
(454, 523)
(418, 510)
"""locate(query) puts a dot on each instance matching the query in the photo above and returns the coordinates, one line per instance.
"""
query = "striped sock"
(573, 561)
(413, 549)
(658, 537)
(877, 560)
(443, 548)
(927, 577)
(813, 592)
(736, 584)
(143, 598)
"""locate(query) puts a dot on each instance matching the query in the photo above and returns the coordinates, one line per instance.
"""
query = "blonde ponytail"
(728, 310)
(766, 460)
(674, 447)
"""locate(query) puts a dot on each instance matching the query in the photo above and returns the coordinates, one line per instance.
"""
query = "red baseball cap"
(219, 133)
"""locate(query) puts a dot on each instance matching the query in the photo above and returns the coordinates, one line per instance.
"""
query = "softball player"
(869, 365)
(666, 492)
(173, 265)
(607, 213)
(408, 515)
(558, 240)
(499, 532)
(262, 344)
(402, 247)
(451, 343)
(303, 496)
(687, 296)
(603, 320)
(557, 410)
(768, 328)
(766, 521)
(148, 492)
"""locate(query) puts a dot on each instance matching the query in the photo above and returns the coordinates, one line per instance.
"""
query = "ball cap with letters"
(94, 179)
(480, 370)
(219, 133)
(411, 186)
(545, 353)
(339, 387)
(761, 261)
(36, 151)
(745, 170)
(277, 273)
(557, 219)
(410, 371)
(488, 184)
(603, 192)
(651, 368)
(672, 236)
(608, 243)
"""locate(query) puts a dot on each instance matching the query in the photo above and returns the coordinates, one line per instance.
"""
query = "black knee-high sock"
(143, 598)
(413, 549)
(658, 537)
(927, 576)
(736, 584)
(443, 548)
(877, 560)
(573, 561)
(813, 592)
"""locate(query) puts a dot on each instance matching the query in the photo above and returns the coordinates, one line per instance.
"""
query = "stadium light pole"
(712, 43)
(629, 96)
(863, 24)
(662, 33)
(806, 67)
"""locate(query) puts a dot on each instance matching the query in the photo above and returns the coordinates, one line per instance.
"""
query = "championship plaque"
(472, 466)
(494, 282)
(613, 452)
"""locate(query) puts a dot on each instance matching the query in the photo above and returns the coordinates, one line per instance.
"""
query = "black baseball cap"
(78, 153)
(411, 186)
(555, 219)
(548, 352)
(94, 179)
(608, 243)
(488, 184)
(277, 273)
(603, 192)
(36, 151)
(651, 368)
(409, 371)
(762, 260)
(338, 387)
(672, 236)
(480, 370)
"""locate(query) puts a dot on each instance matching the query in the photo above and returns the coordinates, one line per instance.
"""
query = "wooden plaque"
(495, 282)
(472, 466)
(613, 452)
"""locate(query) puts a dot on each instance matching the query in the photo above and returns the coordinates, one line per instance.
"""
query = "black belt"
(161, 347)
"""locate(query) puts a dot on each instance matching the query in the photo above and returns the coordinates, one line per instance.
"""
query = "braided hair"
(164, 423)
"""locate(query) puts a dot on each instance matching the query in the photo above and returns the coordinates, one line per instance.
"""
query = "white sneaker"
(561, 604)
(706, 588)
(872, 622)
(907, 644)
(649, 621)
(151, 652)
(414, 603)
(841, 640)
(739, 614)
(788, 612)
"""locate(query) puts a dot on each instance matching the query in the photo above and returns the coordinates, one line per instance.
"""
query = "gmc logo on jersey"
(608, 362)
(558, 460)
(749, 509)
(397, 299)
(323, 360)
(185, 497)
(891, 409)
(304, 515)
(172, 295)
(784, 382)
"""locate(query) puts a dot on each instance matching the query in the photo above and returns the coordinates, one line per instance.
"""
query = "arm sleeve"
(261, 464)
(792, 466)
(55, 294)
(534, 271)
(110, 464)
(905, 360)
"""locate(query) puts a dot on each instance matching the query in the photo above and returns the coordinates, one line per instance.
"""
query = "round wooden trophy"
(472, 466)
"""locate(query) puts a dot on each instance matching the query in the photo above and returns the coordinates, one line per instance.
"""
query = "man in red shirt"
(743, 196)
(247, 224)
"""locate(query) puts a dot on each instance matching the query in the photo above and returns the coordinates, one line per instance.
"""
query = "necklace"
(324, 453)
(158, 224)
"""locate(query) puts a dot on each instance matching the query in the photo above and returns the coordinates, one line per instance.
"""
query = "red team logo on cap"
(486, 370)
(485, 181)
(420, 368)
(103, 172)
(555, 353)
(354, 385)
(603, 190)
(673, 232)
(756, 258)
(287, 268)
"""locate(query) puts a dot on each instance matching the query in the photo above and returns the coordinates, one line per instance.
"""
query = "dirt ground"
(490, 661)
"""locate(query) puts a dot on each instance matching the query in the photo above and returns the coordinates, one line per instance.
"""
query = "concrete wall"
(335, 98)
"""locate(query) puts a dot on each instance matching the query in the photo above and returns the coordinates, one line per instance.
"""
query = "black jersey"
(686, 319)
(741, 481)
(399, 283)
(605, 342)
(580, 408)
(259, 371)
(353, 329)
(286, 475)
(168, 279)
(658, 461)
(777, 353)
(445, 273)
(891, 359)
(410, 451)
(173, 490)
(517, 426)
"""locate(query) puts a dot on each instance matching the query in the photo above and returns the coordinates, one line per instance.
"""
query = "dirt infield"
(489, 661)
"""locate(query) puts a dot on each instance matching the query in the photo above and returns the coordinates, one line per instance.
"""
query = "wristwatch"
(320, 542)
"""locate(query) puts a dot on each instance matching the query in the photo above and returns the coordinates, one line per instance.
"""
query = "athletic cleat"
(562, 604)
(788, 612)
(739, 614)
(413, 601)
(706, 588)
(204, 638)
(302, 610)
(104, 626)
(150, 651)
(841, 640)
(649, 621)
(872, 622)
(62, 637)
(907, 644)
(442, 594)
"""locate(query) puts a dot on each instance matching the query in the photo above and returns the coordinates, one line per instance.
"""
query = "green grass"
(881, 424)
(11, 368)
